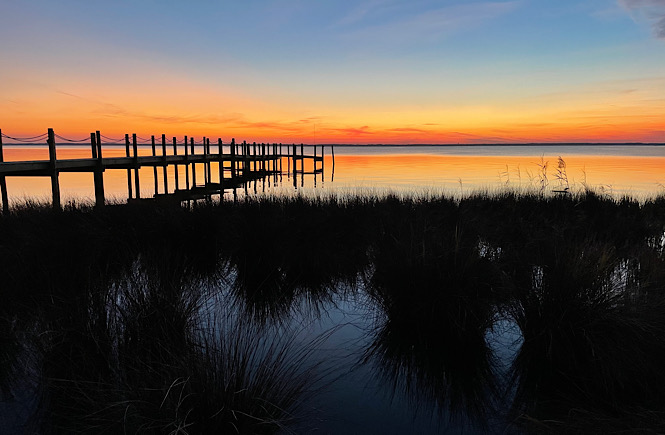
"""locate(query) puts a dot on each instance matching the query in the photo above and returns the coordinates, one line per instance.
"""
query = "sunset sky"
(334, 71)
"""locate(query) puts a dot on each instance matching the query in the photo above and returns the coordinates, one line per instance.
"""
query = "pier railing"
(242, 163)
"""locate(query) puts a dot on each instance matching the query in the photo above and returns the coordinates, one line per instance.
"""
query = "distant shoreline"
(433, 145)
(540, 144)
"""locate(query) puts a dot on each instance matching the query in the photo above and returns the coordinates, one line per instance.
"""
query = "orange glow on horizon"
(645, 132)
(224, 113)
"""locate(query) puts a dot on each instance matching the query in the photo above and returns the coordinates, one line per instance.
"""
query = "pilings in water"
(53, 169)
(3, 182)
(164, 166)
(96, 145)
(246, 163)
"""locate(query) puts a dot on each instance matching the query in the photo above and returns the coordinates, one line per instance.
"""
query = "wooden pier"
(243, 163)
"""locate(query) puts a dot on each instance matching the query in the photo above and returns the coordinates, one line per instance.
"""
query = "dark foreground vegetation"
(155, 319)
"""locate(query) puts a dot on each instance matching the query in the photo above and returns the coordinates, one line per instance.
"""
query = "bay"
(617, 169)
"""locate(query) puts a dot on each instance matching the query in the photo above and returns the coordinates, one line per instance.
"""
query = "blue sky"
(469, 67)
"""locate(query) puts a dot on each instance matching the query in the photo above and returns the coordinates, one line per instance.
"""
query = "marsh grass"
(113, 301)
(173, 358)
(434, 289)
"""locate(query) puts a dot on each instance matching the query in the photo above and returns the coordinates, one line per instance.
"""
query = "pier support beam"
(137, 184)
(164, 172)
(98, 173)
(129, 171)
(154, 168)
(221, 165)
(175, 166)
(191, 141)
(186, 165)
(3, 184)
(233, 159)
(53, 169)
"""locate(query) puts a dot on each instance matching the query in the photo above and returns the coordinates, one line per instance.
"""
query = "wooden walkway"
(243, 163)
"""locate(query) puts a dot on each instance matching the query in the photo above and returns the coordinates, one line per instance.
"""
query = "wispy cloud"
(408, 130)
(227, 120)
(651, 11)
(360, 12)
(352, 131)
(430, 25)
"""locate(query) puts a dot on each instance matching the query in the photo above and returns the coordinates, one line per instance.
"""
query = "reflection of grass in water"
(435, 289)
(286, 250)
(591, 342)
(166, 363)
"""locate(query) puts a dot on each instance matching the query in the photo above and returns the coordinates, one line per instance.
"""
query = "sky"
(336, 71)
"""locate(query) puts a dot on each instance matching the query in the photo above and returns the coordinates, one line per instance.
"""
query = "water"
(636, 170)
(616, 169)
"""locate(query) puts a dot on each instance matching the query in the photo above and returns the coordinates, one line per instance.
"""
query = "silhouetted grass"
(435, 289)
(167, 354)
(111, 302)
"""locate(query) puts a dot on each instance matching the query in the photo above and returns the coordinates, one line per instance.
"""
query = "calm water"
(636, 170)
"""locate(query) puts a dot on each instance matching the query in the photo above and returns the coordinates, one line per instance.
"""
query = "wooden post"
(302, 160)
(294, 160)
(3, 183)
(280, 158)
(314, 161)
(137, 184)
(263, 157)
(186, 165)
(323, 159)
(332, 151)
(206, 161)
(129, 171)
(175, 166)
(221, 164)
(245, 162)
(99, 147)
(154, 167)
(93, 145)
(97, 174)
(233, 159)
(209, 160)
(191, 140)
(55, 182)
(166, 181)
(295, 177)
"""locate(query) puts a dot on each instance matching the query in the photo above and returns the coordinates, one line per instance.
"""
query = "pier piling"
(53, 169)
(3, 183)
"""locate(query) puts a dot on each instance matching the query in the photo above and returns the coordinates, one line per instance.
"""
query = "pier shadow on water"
(355, 314)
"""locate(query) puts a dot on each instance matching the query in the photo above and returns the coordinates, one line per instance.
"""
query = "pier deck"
(243, 162)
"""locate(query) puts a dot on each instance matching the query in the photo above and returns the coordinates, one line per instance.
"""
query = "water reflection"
(435, 290)
(615, 169)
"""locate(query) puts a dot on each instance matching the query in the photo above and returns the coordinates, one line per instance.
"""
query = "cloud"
(360, 12)
(433, 24)
(364, 130)
(659, 28)
(650, 11)
(408, 130)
